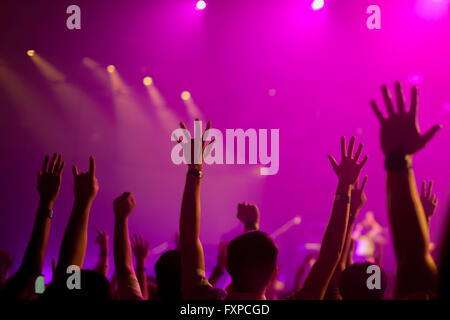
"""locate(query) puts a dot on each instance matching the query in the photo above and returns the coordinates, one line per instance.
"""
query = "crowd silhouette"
(250, 258)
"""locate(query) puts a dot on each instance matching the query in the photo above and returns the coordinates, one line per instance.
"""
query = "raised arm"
(191, 250)
(127, 284)
(320, 274)
(49, 183)
(357, 200)
(141, 250)
(400, 139)
(73, 246)
(102, 265)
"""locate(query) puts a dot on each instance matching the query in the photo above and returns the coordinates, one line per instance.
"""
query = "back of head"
(94, 286)
(251, 261)
(168, 275)
(353, 284)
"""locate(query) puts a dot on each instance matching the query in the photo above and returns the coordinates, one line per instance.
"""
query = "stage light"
(147, 81)
(185, 95)
(110, 68)
(30, 53)
(415, 78)
(317, 4)
(272, 92)
(200, 5)
(297, 220)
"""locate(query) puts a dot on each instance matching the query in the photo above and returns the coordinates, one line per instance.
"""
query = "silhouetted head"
(252, 261)
(355, 284)
(168, 275)
(94, 286)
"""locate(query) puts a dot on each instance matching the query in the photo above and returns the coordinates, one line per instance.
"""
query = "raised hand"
(140, 248)
(124, 204)
(248, 214)
(86, 184)
(49, 179)
(400, 131)
(196, 157)
(358, 197)
(348, 170)
(429, 200)
(102, 239)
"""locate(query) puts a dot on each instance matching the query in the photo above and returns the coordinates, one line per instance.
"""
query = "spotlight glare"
(110, 68)
(317, 4)
(200, 5)
(147, 81)
(185, 95)
(30, 53)
(297, 220)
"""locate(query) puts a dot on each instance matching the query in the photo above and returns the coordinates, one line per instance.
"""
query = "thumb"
(430, 133)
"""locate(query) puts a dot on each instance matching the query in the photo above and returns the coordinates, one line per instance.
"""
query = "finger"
(75, 171)
(430, 134)
(364, 160)
(44, 165)
(433, 198)
(358, 151)
(350, 146)
(208, 149)
(57, 165)
(363, 185)
(343, 151)
(414, 102)
(61, 168)
(333, 162)
(206, 133)
(388, 100)
(92, 167)
(400, 97)
(52, 164)
(185, 131)
(376, 110)
(430, 188)
(422, 190)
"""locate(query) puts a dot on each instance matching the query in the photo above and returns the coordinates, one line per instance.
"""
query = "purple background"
(324, 65)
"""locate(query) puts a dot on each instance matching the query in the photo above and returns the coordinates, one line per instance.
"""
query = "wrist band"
(194, 172)
(342, 198)
(397, 161)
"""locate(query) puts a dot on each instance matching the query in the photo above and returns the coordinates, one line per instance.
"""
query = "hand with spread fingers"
(428, 199)
(49, 179)
(400, 130)
(349, 168)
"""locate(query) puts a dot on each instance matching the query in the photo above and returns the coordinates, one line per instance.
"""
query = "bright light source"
(30, 53)
(317, 4)
(272, 92)
(200, 5)
(147, 81)
(297, 220)
(185, 95)
(110, 68)
(415, 78)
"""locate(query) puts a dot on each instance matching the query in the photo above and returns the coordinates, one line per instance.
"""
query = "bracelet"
(397, 161)
(342, 198)
(195, 173)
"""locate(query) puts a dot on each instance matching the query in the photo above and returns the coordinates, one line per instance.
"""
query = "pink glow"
(415, 78)
(432, 9)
